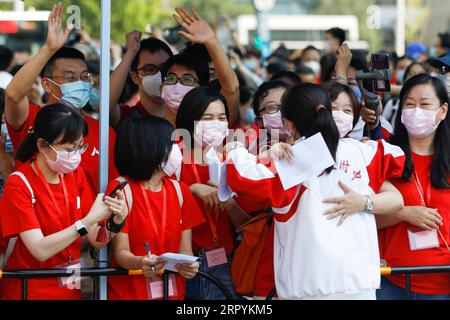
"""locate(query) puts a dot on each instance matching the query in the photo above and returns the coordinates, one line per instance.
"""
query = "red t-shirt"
(89, 160)
(202, 236)
(139, 229)
(19, 215)
(394, 243)
(127, 112)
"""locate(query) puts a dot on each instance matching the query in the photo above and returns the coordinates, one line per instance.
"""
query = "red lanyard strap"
(422, 200)
(50, 192)
(159, 232)
(212, 224)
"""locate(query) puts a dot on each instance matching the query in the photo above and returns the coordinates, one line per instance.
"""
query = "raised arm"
(16, 104)
(199, 31)
(119, 75)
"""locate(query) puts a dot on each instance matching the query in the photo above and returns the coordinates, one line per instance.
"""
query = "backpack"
(248, 253)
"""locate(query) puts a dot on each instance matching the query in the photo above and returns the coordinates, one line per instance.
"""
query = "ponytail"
(308, 106)
(28, 148)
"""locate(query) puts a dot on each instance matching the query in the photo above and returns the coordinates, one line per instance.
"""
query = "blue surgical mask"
(400, 76)
(249, 115)
(357, 93)
(8, 144)
(439, 76)
(75, 94)
(433, 53)
(94, 99)
(251, 64)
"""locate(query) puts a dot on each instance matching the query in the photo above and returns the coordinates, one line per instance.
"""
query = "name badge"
(216, 257)
(420, 239)
(155, 287)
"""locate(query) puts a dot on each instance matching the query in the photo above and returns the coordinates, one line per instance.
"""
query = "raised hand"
(133, 40)
(197, 29)
(56, 37)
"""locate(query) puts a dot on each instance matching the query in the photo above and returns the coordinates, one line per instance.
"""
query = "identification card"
(420, 239)
(155, 287)
(216, 257)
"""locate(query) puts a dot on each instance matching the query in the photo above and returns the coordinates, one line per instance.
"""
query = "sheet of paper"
(213, 166)
(311, 158)
(176, 258)
(224, 193)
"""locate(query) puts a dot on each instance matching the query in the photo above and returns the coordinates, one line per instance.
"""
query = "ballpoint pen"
(149, 254)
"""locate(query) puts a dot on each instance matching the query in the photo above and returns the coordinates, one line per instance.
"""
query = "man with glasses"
(142, 63)
(442, 67)
(65, 79)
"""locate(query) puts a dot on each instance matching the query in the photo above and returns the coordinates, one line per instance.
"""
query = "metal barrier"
(407, 271)
(95, 273)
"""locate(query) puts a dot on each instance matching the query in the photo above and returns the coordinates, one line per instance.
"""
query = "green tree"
(125, 15)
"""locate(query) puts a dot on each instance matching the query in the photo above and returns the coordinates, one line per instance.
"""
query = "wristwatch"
(369, 204)
(81, 228)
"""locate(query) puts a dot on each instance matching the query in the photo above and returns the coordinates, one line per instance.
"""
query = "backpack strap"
(128, 194)
(27, 184)
(12, 241)
(177, 186)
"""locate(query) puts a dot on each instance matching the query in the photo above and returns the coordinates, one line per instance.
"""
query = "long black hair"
(54, 123)
(308, 106)
(440, 167)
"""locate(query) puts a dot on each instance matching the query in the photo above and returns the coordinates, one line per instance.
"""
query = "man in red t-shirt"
(65, 79)
(144, 59)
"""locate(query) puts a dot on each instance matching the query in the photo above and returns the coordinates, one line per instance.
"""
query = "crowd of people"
(195, 135)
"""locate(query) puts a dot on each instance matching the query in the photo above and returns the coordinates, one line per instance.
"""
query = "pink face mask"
(210, 132)
(344, 122)
(174, 161)
(174, 94)
(419, 123)
(274, 121)
(64, 163)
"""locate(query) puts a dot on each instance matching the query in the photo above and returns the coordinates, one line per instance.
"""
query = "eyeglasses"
(185, 81)
(72, 152)
(271, 108)
(70, 76)
(149, 69)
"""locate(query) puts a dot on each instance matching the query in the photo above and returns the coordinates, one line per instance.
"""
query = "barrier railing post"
(24, 289)
(166, 285)
(408, 286)
(271, 294)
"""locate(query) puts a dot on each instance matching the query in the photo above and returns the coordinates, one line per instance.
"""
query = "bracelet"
(114, 227)
(339, 78)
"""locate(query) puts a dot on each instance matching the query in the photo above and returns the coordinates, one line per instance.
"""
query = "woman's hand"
(351, 202)
(208, 193)
(187, 270)
(425, 218)
(99, 212)
(280, 151)
(198, 30)
(343, 59)
(118, 206)
(152, 267)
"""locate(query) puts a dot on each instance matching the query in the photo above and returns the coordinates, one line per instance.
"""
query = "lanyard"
(422, 200)
(212, 224)
(161, 232)
(50, 192)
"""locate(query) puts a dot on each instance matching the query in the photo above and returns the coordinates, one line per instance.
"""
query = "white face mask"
(173, 162)
(152, 84)
(344, 122)
(313, 65)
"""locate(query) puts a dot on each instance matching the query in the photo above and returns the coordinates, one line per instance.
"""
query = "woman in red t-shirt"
(419, 234)
(46, 206)
(202, 123)
(162, 211)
